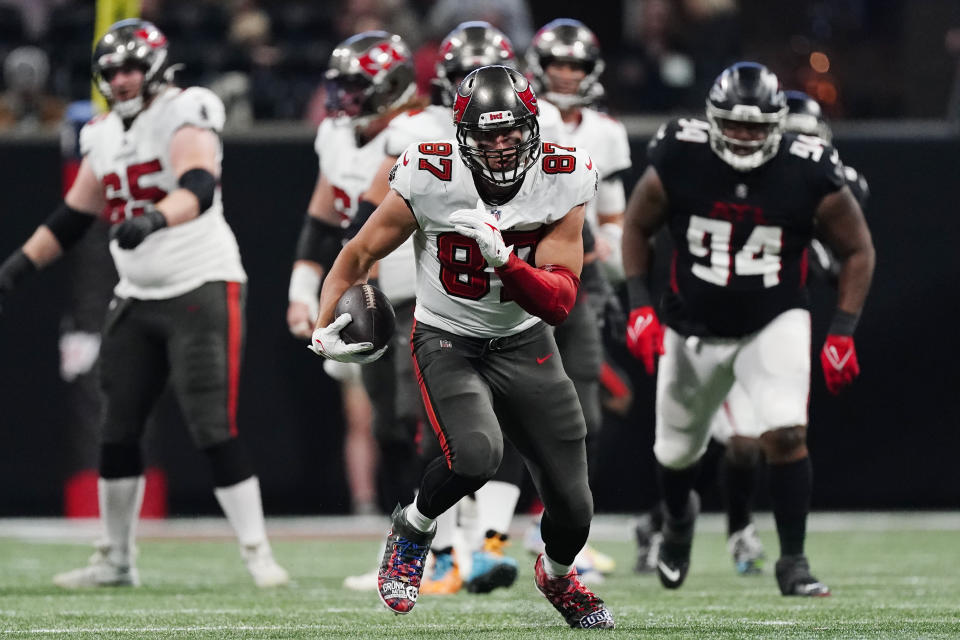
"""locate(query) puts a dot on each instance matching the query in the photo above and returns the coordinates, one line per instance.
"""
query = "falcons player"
(743, 454)
(741, 200)
(480, 561)
(151, 166)
(370, 80)
(497, 237)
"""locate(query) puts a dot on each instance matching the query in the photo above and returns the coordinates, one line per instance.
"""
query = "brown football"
(372, 316)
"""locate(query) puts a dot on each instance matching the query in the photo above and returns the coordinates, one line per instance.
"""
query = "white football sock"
(555, 569)
(446, 527)
(120, 500)
(496, 502)
(417, 520)
(244, 510)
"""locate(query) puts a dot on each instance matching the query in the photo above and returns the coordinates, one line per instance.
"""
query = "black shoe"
(794, 578)
(673, 561)
(401, 569)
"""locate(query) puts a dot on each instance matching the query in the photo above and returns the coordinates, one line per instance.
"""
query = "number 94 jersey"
(740, 237)
(456, 290)
(133, 165)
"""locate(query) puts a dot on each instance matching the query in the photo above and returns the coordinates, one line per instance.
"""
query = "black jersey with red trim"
(740, 237)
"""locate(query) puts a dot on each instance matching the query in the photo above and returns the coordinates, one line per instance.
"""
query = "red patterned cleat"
(401, 569)
(577, 604)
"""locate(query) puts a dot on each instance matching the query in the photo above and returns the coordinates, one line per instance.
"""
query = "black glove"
(14, 269)
(131, 233)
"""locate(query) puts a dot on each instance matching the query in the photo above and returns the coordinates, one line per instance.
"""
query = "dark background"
(890, 441)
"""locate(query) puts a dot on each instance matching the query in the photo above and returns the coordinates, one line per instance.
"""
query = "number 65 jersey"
(133, 165)
(740, 237)
(456, 290)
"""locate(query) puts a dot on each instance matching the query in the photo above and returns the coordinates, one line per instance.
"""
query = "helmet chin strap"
(564, 101)
(128, 108)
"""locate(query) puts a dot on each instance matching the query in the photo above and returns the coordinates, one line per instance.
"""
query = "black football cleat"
(404, 558)
(794, 578)
(673, 561)
(577, 604)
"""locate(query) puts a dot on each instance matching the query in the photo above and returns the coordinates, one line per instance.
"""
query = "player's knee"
(478, 456)
(785, 444)
(120, 460)
(675, 455)
(229, 463)
(743, 452)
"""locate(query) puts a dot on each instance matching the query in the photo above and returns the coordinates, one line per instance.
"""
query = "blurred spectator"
(25, 106)
(34, 14)
(510, 16)
(393, 16)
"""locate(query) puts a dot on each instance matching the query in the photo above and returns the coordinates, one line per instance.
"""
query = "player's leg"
(459, 408)
(693, 378)
(204, 346)
(359, 447)
(738, 474)
(133, 371)
(774, 370)
(538, 408)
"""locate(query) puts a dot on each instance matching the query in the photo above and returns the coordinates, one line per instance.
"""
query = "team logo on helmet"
(529, 99)
(379, 58)
(153, 38)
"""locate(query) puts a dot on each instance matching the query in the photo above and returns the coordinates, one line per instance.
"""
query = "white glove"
(78, 353)
(326, 342)
(480, 226)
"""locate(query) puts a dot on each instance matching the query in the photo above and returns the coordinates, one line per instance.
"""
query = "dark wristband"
(844, 323)
(637, 292)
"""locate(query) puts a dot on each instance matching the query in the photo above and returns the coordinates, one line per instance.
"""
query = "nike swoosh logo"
(641, 323)
(544, 358)
(589, 164)
(673, 575)
(406, 160)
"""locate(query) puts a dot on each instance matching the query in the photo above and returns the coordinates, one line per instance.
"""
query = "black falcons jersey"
(740, 237)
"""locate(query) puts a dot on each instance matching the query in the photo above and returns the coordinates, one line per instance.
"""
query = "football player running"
(743, 454)
(741, 200)
(152, 166)
(565, 63)
(497, 236)
(370, 79)
(476, 529)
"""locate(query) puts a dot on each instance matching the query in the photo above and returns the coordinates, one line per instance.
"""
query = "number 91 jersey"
(740, 237)
(133, 165)
(456, 290)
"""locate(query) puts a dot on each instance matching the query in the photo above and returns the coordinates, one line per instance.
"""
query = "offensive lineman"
(741, 201)
(487, 364)
(151, 165)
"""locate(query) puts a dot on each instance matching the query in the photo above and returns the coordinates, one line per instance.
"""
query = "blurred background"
(887, 73)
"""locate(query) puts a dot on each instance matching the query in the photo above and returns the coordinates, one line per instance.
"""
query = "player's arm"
(611, 201)
(391, 223)
(645, 213)
(194, 155)
(320, 240)
(60, 231)
(844, 228)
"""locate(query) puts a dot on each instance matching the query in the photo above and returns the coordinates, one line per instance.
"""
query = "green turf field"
(886, 584)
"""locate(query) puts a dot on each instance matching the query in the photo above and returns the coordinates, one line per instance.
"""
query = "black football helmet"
(805, 116)
(746, 94)
(469, 46)
(566, 40)
(131, 42)
(369, 73)
(490, 101)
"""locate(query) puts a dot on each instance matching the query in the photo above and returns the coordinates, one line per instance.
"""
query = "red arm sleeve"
(548, 292)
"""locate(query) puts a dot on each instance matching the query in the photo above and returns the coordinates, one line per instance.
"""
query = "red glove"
(644, 336)
(839, 360)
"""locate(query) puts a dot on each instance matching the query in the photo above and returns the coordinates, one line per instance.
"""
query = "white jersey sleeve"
(193, 107)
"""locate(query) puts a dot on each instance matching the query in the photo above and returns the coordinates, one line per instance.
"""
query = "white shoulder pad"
(550, 121)
(324, 131)
(615, 146)
(91, 132)
(196, 107)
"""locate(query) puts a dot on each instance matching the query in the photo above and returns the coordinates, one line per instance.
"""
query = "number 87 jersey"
(740, 237)
(456, 290)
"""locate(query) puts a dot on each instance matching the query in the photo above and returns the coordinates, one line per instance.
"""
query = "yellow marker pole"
(108, 12)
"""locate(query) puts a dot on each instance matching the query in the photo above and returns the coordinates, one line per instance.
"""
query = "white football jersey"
(351, 170)
(456, 290)
(605, 139)
(134, 168)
